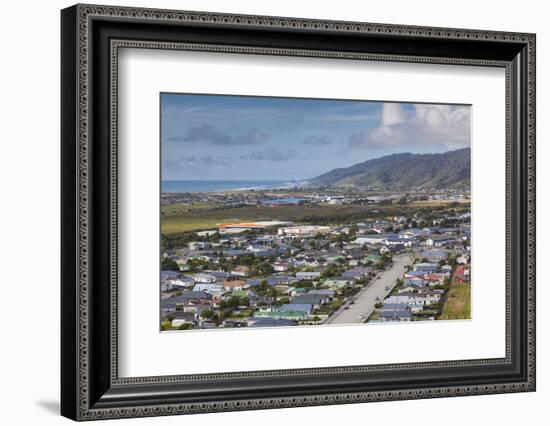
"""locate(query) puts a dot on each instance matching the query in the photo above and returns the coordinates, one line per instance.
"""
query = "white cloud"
(440, 126)
(393, 113)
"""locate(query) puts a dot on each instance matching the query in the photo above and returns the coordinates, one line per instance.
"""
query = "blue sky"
(219, 137)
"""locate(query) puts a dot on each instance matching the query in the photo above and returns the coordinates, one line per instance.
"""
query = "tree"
(185, 326)
(168, 264)
(207, 313)
(263, 268)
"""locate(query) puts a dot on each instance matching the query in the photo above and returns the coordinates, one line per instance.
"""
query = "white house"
(204, 278)
(280, 266)
(199, 245)
(241, 271)
(211, 288)
(308, 275)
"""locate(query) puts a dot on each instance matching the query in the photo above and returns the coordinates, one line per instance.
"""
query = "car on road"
(377, 299)
(361, 316)
(386, 288)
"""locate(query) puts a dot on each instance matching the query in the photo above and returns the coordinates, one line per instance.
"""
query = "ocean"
(222, 185)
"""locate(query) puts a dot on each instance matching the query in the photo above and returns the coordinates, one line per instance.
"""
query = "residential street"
(364, 301)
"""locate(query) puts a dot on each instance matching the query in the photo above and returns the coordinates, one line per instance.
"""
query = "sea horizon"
(216, 185)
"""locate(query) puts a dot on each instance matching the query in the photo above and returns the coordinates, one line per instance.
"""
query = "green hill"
(447, 170)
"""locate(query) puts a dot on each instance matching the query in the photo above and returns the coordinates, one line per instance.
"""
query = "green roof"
(286, 315)
(374, 257)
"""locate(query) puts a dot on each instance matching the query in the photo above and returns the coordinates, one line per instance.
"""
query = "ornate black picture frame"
(91, 37)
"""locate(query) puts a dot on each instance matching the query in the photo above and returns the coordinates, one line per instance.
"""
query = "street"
(364, 301)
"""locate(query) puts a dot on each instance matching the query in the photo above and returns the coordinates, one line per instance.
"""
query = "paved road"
(365, 300)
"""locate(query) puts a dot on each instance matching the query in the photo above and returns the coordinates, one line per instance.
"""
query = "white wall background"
(29, 213)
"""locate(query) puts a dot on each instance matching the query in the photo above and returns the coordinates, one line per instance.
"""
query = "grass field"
(457, 304)
(439, 203)
(179, 218)
(184, 218)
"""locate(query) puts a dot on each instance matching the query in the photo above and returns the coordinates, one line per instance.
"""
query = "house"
(357, 273)
(370, 239)
(395, 316)
(373, 258)
(169, 275)
(257, 300)
(282, 280)
(241, 271)
(430, 298)
(406, 298)
(411, 299)
(183, 281)
(221, 275)
(234, 285)
(440, 240)
(298, 291)
(308, 275)
(427, 268)
(338, 282)
(266, 253)
(235, 253)
(178, 319)
(204, 278)
(289, 315)
(272, 281)
(303, 230)
(446, 269)
(177, 303)
(266, 308)
(296, 307)
(280, 266)
(393, 307)
(323, 292)
(433, 255)
(231, 323)
(270, 322)
(462, 274)
(283, 289)
(212, 288)
(414, 281)
(435, 279)
(194, 309)
(199, 245)
(316, 300)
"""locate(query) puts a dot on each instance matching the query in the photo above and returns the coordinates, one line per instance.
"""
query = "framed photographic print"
(263, 212)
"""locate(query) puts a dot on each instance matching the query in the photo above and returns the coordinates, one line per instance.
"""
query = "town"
(349, 257)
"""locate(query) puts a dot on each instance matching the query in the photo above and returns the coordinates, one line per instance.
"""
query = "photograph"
(295, 186)
(282, 212)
